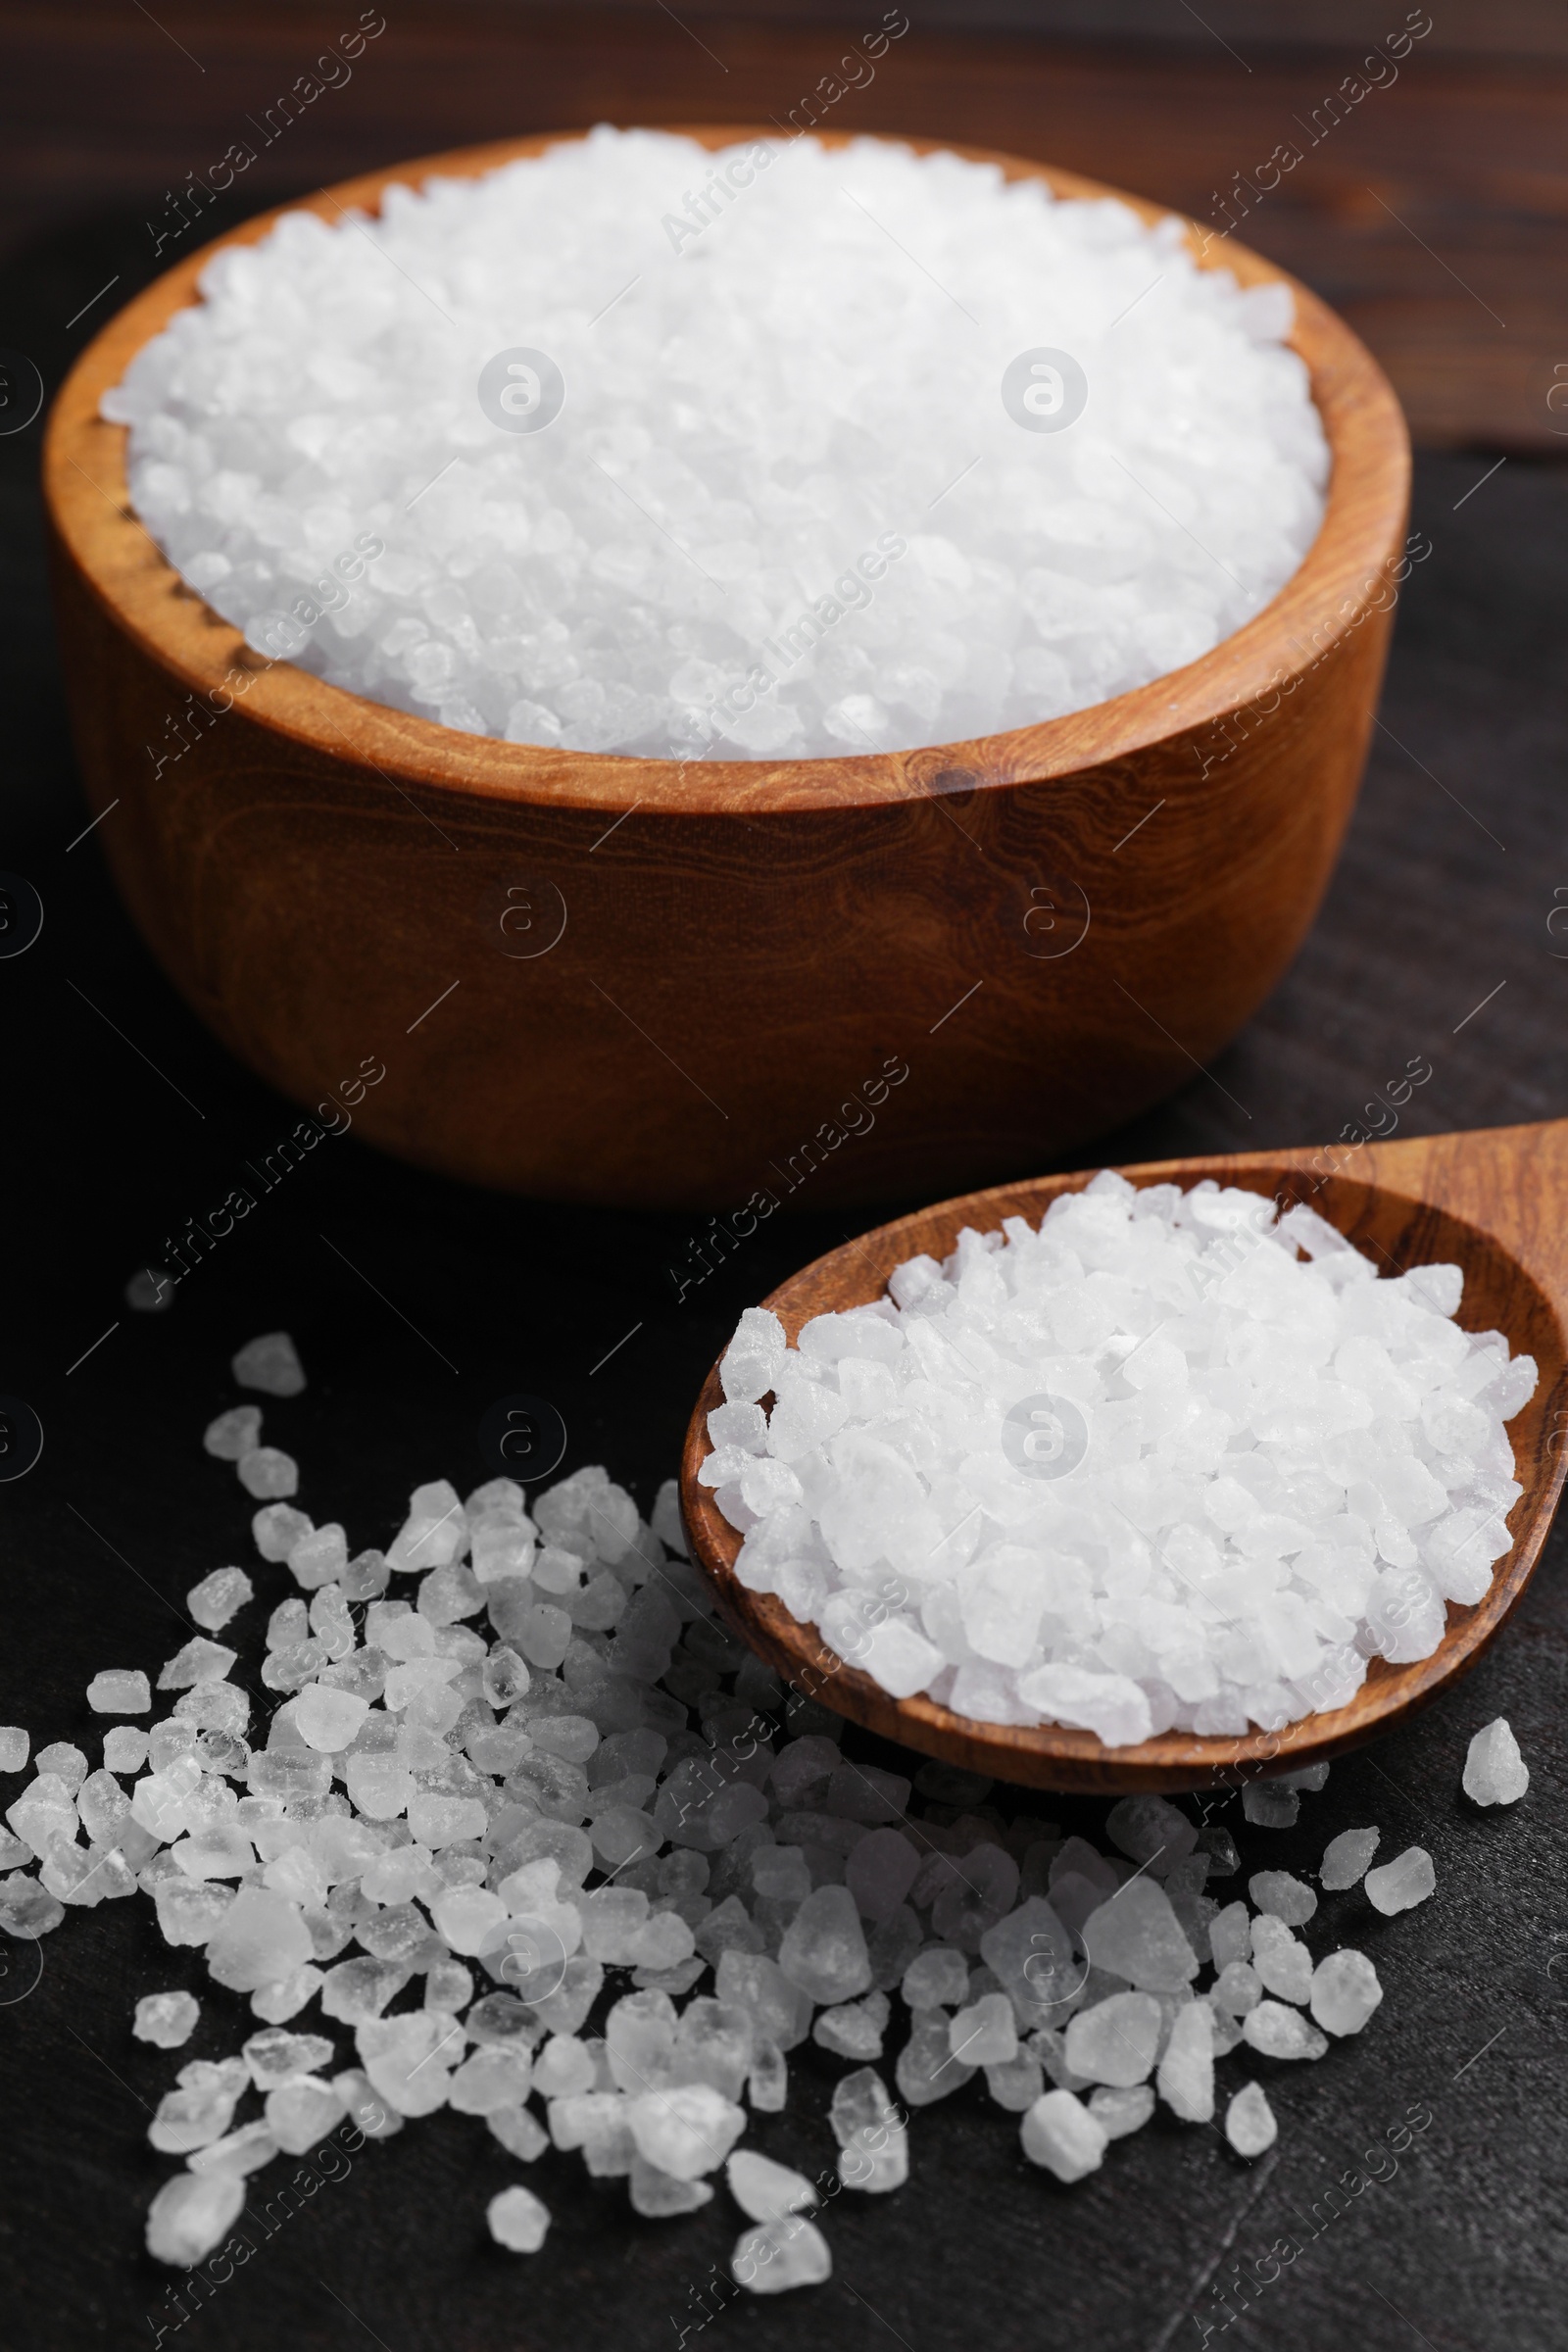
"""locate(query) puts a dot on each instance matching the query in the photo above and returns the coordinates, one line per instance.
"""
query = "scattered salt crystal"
(301, 2113)
(1401, 1883)
(1186, 2076)
(1060, 2133)
(937, 1978)
(777, 2256)
(235, 1433)
(191, 2214)
(489, 2080)
(267, 1473)
(1345, 1858)
(1137, 1936)
(1115, 2041)
(1281, 1962)
(274, 2057)
(277, 1528)
(126, 1748)
(520, 2133)
(65, 1762)
(239, 2152)
(215, 1601)
(517, 2219)
(408, 2059)
(168, 2019)
(119, 1691)
(1494, 1772)
(1268, 1806)
(327, 1720)
(1151, 1832)
(852, 2031)
(1249, 2124)
(1118, 2112)
(658, 2196)
(1344, 1991)
(200, 1661)
(987, 2033)
(374, 2116)
(1238, 1987)
(201, 2109)
(1230, 1935)
(1285, 1897)
(260, 1937)
(15, 1744)
(823, 1947)
(687, 2129)
(276, 2004)
(1279, 2032)
(269, 1363)
(764, 2190)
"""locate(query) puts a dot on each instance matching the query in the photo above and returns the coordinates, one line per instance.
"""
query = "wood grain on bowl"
(1493, 1203)
(1043, 928)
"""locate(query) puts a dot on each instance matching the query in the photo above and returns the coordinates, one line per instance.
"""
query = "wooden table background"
(1439, 938)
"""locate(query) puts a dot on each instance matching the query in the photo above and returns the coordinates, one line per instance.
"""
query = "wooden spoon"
(1495, 1202)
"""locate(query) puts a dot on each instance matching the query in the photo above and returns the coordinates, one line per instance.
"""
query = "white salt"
(1281, 1962)
(1186, 2076)
(937, 1978)
(268, 1474)
(1345, 1858)
(1494, 1772)
(119, 1690)
(269, 1363)
(1279, 2032)
(1284, 1897)
(215, 1601)
(15, 1744)
(763, 2191)
(1249, 2124)
(1115, 2041)
(235, 1433)
(777, 2256)
(555, 543)
(1121, 2112)
(517, 2219)
(1344, 1991)
(168, 2019)
(191, 2214)
(1401, 1883)
(1060, 2133)
(301, 2113)
(1175, 1567)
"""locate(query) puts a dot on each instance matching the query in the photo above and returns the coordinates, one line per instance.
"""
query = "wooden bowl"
(1493, 1203)
(910, 969)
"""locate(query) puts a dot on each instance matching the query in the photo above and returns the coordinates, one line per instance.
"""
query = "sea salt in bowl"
(701, 981)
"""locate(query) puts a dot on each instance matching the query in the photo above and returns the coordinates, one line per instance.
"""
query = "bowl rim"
(97, 530)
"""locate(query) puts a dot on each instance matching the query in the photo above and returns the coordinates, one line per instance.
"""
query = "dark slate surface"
(113, 1134)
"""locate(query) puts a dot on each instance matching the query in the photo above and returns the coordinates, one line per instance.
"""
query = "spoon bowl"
(1495, 1202)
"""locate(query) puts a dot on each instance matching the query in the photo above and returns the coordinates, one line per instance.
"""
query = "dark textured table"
(415, 1305)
